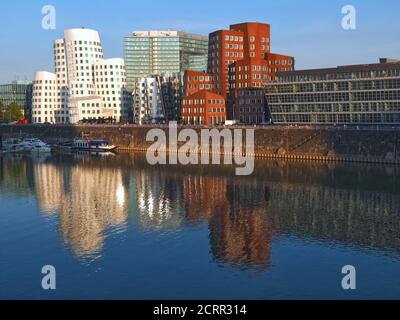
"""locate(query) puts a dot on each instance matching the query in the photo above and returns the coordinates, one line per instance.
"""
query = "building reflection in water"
(244, 235)
(240, 231)
(159, 201)
(87, 199)
(49, 188)
(355, 217)
(328, 203)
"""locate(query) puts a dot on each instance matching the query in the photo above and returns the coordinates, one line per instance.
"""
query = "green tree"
(13, 112)
(2, 111)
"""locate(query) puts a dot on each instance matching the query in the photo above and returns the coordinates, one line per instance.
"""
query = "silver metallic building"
(158, 98)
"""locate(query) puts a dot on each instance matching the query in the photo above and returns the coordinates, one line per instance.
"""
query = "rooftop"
(385, 64)
(167, 33)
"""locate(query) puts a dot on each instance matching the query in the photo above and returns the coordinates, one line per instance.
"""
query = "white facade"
(87, 86)
(147, 101)
(158, 98)
(44, 98)
(110, 84)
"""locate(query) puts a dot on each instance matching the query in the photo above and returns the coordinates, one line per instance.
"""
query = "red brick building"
(195, 81)
(256, 73)
(238, 58)
(278, 63)
(204, 108)
(225, 47)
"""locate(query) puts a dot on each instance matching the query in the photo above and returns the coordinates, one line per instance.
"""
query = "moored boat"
(93, 145)
(36, 145)
(14, 145)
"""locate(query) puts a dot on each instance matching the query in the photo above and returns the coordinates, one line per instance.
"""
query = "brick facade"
(238, 58)
(204, 108)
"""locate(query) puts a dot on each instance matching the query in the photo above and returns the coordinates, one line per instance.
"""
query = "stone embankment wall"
(379, 145)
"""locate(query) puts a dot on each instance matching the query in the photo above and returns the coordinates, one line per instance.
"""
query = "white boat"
(36, 145)
(33, 145)
(13, 145)
(96, 146)
(40, 149)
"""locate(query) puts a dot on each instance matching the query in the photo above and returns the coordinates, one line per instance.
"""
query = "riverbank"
(333, 144)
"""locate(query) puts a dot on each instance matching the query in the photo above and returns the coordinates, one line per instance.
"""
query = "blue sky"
(309, 30)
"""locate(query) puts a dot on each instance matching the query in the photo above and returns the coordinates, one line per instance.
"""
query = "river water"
(115, 227)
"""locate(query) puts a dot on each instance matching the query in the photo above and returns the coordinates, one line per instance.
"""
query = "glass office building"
(19, 92)
(359, 94)
(149, 53)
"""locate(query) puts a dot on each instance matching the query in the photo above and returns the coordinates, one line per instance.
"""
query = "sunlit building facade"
(149, 53)
(84, 85)
(204, 108)
(158, 98)
(358, 94)
(238, 58)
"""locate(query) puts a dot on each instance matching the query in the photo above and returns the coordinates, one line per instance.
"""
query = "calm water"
(116, 228)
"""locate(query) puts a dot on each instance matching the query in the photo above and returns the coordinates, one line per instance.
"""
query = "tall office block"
(150, 53)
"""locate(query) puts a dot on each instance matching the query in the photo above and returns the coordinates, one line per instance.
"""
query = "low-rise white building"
(44, 97)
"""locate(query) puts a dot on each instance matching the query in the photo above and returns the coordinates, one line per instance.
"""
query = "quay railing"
(241, 126)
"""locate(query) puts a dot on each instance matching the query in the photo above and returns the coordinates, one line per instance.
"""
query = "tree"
(13, 112)
(2, 111)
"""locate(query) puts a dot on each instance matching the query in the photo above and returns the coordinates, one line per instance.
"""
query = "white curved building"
(44, 97)
(110, 84)
(88, 87)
